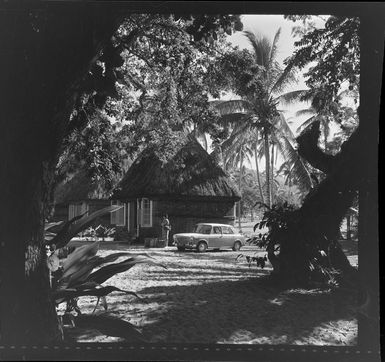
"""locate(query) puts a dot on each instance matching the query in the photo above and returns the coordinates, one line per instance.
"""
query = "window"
(202, 229)
(227, 230)
(77, 209)
(118, 217)
(217, 230)
(128, 216)
(146, 219)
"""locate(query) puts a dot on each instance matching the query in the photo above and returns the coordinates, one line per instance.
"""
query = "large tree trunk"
(317, 224)
(372, 50)
(45, 55)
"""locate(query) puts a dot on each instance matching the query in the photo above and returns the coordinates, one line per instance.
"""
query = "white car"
(210, 236)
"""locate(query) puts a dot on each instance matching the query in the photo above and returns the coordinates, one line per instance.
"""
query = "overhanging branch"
(308, 149)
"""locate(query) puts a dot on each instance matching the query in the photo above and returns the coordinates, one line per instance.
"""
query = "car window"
(227, 230)
(203, 229)
(217, 230)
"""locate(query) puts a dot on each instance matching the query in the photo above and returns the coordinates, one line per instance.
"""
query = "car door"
(216, 237)
(228, 236)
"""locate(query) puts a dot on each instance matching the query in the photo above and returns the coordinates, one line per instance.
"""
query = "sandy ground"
(213, 298)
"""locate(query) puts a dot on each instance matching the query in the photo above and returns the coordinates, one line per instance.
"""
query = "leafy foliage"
(332, 52)
(283, 240)
(98, 148)
(152, 79)
(74, 275)
(277, 219)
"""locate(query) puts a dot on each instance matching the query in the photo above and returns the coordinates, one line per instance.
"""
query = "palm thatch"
(79, 187)
(192, 173)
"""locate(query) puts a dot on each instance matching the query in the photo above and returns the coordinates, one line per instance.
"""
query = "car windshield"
(202, 229)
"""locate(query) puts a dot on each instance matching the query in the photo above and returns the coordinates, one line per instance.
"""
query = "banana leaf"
(108, 271)
(62, 295)
(85, 270)
(78, 258)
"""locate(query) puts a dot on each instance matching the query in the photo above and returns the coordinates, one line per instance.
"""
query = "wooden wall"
(184, 214)
(61, 212)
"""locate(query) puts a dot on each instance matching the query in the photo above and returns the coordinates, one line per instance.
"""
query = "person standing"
(166, 227)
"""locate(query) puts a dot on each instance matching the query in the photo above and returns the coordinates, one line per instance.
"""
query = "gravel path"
(213, 298)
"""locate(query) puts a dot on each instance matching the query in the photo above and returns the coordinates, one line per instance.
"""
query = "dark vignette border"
(372, 45)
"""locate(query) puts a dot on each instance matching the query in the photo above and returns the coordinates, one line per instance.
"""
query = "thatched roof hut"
(79, 187)
(191, 173)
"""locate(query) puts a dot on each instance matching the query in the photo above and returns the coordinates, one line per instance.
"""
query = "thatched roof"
(79, 187)
(191, 172)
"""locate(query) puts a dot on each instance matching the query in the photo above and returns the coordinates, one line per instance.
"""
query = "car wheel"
(181, 248)
(237, 245)
(201, 247)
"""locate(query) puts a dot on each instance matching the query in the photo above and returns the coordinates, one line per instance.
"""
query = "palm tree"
(235, 154)
(258, 107)
(323, 109)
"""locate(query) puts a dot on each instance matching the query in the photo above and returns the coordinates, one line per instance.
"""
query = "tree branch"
(307, 148)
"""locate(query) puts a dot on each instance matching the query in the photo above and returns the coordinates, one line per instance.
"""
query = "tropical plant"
(74, 275)
(327, 111)
(104, 232)
(260, 85)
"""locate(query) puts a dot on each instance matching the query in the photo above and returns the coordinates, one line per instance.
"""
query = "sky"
(267, 25)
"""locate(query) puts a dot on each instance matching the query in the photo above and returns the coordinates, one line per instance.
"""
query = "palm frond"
(291, 97)
(285, 77)
(236, 137)
(238, 106)
(261, 46)
(306, 124)
(305, 112)
(298, 167)
(274, 46)
(283, 128)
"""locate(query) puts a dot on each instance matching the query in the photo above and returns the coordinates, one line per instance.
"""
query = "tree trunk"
(326, 132)
(317, 222)
(319, 218)
(371, 64)
(45, 54)
(240, 188)
(267, 171)
(272, 174)
(348, 227)
(257, 169)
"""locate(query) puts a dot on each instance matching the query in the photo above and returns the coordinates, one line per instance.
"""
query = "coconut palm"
(235, 155)
(258, 107)
(323, 109)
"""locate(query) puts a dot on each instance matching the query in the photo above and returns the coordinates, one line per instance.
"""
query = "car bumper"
(186, 244)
